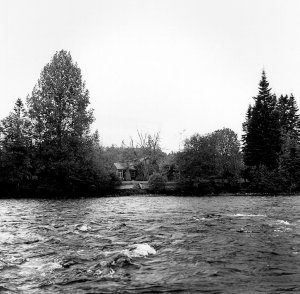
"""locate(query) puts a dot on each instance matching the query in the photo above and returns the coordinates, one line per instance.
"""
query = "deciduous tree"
(215, 155)
(58, 106)
(59, 113)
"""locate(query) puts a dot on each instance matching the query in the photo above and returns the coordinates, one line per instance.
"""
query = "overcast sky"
(177, 67)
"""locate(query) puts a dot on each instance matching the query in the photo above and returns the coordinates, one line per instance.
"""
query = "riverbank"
(135, 188)
(212, 188)
(178, 188)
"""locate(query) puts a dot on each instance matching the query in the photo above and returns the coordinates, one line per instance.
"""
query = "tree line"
(47, 147)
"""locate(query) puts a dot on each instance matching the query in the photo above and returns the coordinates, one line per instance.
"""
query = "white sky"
(177, 67)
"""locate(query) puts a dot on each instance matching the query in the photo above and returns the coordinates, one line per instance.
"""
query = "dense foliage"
(157, 183)
(213, 157)
(271, 142)
(48, 148)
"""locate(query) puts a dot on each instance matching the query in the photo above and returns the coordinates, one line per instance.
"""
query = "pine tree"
(261, 141)
(290, 149)
(289, 119)
(15, 133)
(247, 136)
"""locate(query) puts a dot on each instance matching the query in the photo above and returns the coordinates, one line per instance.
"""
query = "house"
(132, 170)
(125, 171)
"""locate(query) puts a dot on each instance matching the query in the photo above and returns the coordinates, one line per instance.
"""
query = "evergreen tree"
(289, 163)
(261, 141)
(15, 134)
(290, 150)
(289, 119)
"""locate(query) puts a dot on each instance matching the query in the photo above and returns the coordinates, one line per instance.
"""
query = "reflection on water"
(151, 244)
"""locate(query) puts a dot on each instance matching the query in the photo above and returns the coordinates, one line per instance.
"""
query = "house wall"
(126, 175)
(120, 174)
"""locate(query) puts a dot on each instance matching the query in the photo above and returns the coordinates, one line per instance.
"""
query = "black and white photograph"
(149, 146)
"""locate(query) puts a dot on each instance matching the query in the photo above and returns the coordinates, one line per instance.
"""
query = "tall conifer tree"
(290, 150)
(15, 134)
(288, 115)
(261, 141)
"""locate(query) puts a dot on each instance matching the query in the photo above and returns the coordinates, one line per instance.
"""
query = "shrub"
(157, 183)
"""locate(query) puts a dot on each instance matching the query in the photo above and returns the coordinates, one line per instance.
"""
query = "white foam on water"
(280, 221)
(32, 267)
(140, 250)
(51, 266)
(84, 228)
(199, 219)
(144, 249)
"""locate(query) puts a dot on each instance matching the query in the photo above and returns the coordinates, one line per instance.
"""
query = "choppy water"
(187, 245)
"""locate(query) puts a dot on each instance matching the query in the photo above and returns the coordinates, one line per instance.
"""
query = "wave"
(84, 228)
(139, 250)
(122, 259)
(247, 215)
(283, 222)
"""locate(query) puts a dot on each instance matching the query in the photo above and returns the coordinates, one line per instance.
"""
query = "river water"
(144, 244)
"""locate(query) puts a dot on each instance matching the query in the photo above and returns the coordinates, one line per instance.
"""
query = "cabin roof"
(122, 165)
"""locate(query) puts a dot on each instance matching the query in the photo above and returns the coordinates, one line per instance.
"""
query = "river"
(144, 244)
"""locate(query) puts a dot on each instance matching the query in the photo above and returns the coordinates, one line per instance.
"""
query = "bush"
(157, 183)
(266, 181)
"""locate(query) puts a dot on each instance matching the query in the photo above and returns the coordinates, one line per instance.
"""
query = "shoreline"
(142, 193)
